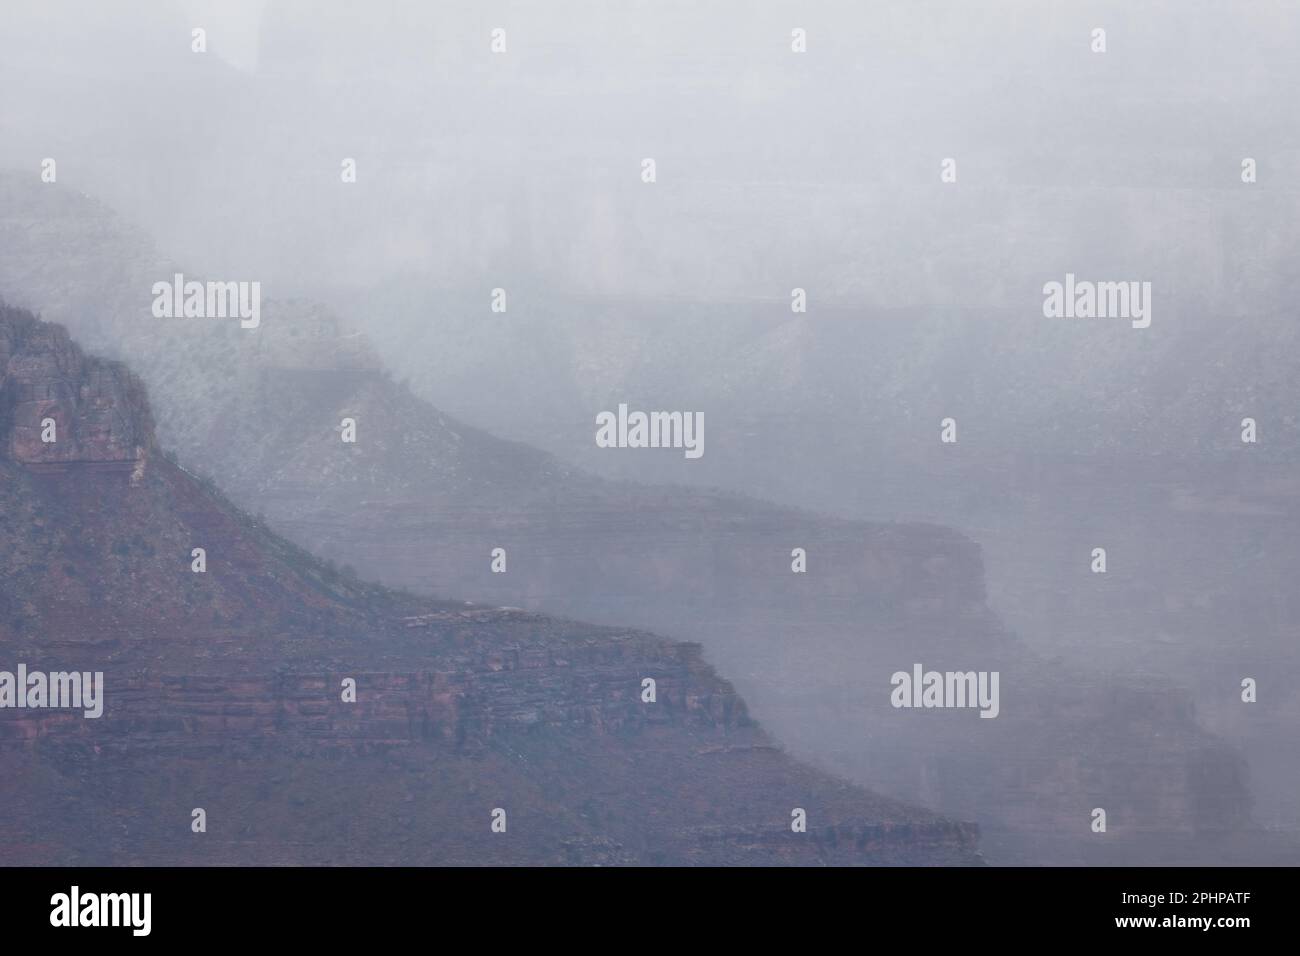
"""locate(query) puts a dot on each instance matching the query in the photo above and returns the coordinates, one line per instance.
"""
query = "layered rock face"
(87, 411)
(421, 500)
(227, 690)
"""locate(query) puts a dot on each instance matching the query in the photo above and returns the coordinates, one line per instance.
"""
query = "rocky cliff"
(421, 500)
(57, 407)
(224, 690)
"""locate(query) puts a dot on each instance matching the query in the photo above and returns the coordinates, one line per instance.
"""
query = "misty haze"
(705, 433)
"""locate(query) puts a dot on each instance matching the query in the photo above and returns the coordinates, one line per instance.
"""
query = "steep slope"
(421, 500)
(222, 691)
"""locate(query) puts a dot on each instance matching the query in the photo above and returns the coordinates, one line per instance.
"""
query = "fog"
(919, 174)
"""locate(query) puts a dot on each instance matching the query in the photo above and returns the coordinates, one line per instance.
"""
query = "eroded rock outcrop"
(57, 406)
(224, 689)
(421, 500)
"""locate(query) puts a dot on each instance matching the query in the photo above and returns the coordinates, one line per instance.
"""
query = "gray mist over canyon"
(845, 244)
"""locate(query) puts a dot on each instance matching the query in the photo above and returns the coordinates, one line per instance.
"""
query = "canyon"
(222, 694)
(421, 499)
